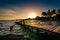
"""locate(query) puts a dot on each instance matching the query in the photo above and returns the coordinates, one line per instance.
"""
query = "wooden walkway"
(55, 29)
(37, 28)
(41, 31)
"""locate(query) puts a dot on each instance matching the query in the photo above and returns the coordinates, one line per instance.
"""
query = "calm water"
(53, 23)
(5, 25)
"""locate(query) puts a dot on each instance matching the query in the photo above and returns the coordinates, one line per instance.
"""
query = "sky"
(20, 9)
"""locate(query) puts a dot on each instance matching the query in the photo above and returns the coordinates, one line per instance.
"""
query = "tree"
(37, 17)
(53, 11)
(58, 11)
(49, 13)
(58, 15)
(44, 14)
(53, 14)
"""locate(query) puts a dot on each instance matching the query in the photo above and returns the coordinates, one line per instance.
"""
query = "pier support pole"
(37, 33)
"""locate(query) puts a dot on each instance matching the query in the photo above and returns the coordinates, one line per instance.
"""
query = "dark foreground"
(12, 37)
(41, 36)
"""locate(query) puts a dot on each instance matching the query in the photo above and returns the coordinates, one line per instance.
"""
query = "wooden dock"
(37, 28)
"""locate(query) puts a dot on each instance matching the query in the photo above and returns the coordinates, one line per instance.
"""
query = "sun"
(32, 15)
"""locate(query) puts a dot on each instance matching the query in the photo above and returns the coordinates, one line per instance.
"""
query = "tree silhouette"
(37, 18)
(53, 11)
(58, 15)
(49, 13)
(58, 11)
(44, 14)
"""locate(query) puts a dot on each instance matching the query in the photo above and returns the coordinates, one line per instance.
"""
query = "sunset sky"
(20, 9)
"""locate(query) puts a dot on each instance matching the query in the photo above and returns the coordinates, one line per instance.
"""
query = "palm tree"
(53, 11)
(49, 13)
(44, 14)
(58, 15)
(58, 11)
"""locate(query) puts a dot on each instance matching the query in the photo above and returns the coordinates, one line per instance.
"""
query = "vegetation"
(50, 15)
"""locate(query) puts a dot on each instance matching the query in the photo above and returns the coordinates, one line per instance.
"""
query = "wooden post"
(37, 32)
(32, 28)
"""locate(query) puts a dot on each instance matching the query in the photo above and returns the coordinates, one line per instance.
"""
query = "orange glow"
(32, 15)
(20, 14)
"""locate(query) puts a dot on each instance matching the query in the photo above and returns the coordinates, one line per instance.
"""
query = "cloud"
(7, 13)
(12, 13)
(18, 12)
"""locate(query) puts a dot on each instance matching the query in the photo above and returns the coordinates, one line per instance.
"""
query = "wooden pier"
(40, 28)
(41, 31)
